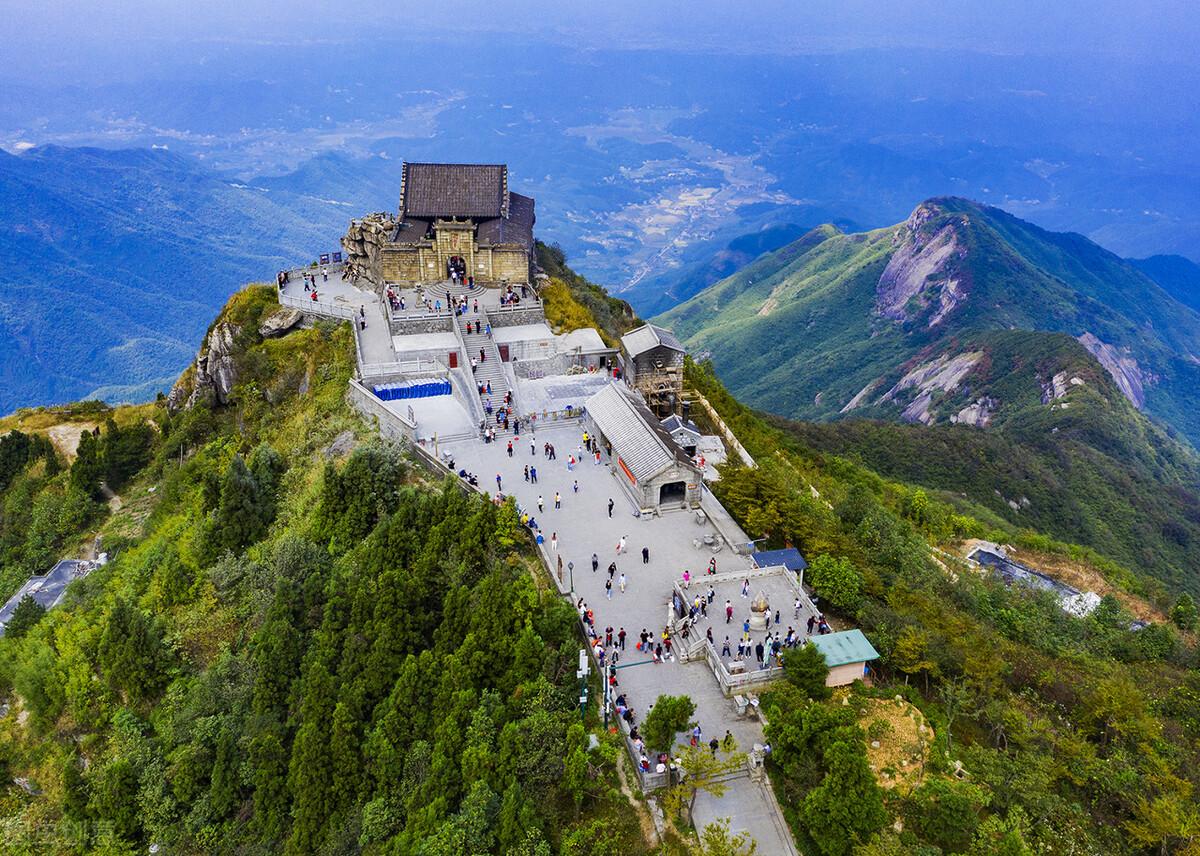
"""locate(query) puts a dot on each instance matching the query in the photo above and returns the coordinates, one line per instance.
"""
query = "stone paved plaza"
(583, 527)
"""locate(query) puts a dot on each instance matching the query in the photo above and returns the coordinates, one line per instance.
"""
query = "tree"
(223, 793)
(1183, 613)
(836, 580)
(911, 653)
(240, 517)
(945, 812)
(88, 469)
(131, 654)
(124, 451)
(669, 716)
(806, 669)
(27, 614)
(955, 696)
(716, 840)
(702, 771)
(847, 807)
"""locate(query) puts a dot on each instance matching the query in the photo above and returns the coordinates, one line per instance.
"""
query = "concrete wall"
(840, 676)
(527, 313)
(559, 364)
(410, 325)
(390, 425)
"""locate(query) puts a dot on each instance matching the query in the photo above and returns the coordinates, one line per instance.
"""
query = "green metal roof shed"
(847, 646)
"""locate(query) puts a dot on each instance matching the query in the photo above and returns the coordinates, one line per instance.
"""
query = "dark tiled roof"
(517, 228)
(454, 190)
(410, 231)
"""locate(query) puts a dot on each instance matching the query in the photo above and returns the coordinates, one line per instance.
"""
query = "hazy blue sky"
(41, 32)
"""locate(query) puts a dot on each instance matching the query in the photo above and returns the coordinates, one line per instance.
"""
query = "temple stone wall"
(509, 264)
(401, 263)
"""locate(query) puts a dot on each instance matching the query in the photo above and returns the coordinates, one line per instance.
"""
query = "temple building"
(451, 217)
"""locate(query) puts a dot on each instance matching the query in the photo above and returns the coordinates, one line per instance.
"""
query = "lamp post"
(582, 674)
(571, 569)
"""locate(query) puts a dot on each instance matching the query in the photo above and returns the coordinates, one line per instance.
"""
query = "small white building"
(847, 654)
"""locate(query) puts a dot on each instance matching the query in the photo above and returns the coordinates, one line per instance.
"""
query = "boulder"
(279, 323)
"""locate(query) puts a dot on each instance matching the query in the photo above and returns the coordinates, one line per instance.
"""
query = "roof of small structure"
(642, 444)
(675, 422)
(454, 190)
(648, 337)
(848, 646)
(789, 557)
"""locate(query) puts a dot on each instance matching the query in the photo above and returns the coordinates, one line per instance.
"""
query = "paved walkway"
(583, 527)
(376, 339)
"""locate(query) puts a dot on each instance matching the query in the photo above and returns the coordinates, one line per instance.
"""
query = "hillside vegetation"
(288, 654)
(298, 648)
(805, 330)
(1049, 733)
(1034, 358)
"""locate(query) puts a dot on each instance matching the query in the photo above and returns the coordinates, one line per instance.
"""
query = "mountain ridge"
(805, 330)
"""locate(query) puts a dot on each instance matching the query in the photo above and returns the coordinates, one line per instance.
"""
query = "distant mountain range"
(115, 261)
(915, 321)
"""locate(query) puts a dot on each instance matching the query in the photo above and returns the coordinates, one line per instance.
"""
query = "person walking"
(745, 588)
(645, 555)
(595, 563)
(554, 541)
(758, 653)
(533, 475)
(557, 500)
(610, 506)
(510, 448)
(728, 744)
(622, 583)
(621, 545)
(612, 569)
(498, 485)
(725, 648)
(540, 504)
(608, 588)
(714, 744)
(527, 472)
(728, 611)
(532, 447)
(621, 638)
(575, 486)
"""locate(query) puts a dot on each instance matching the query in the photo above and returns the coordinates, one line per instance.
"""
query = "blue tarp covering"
(789, 558)
(421, 389)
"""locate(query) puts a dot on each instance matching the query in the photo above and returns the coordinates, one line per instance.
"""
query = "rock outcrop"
(922, 272)
(214, 372)
(977, 414)
(363, 242)
(1126, 373)
(279, 323)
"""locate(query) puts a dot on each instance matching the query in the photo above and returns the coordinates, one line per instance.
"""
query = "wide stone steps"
(490, 369)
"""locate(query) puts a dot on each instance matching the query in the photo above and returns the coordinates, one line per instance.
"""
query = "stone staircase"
(491, 369)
